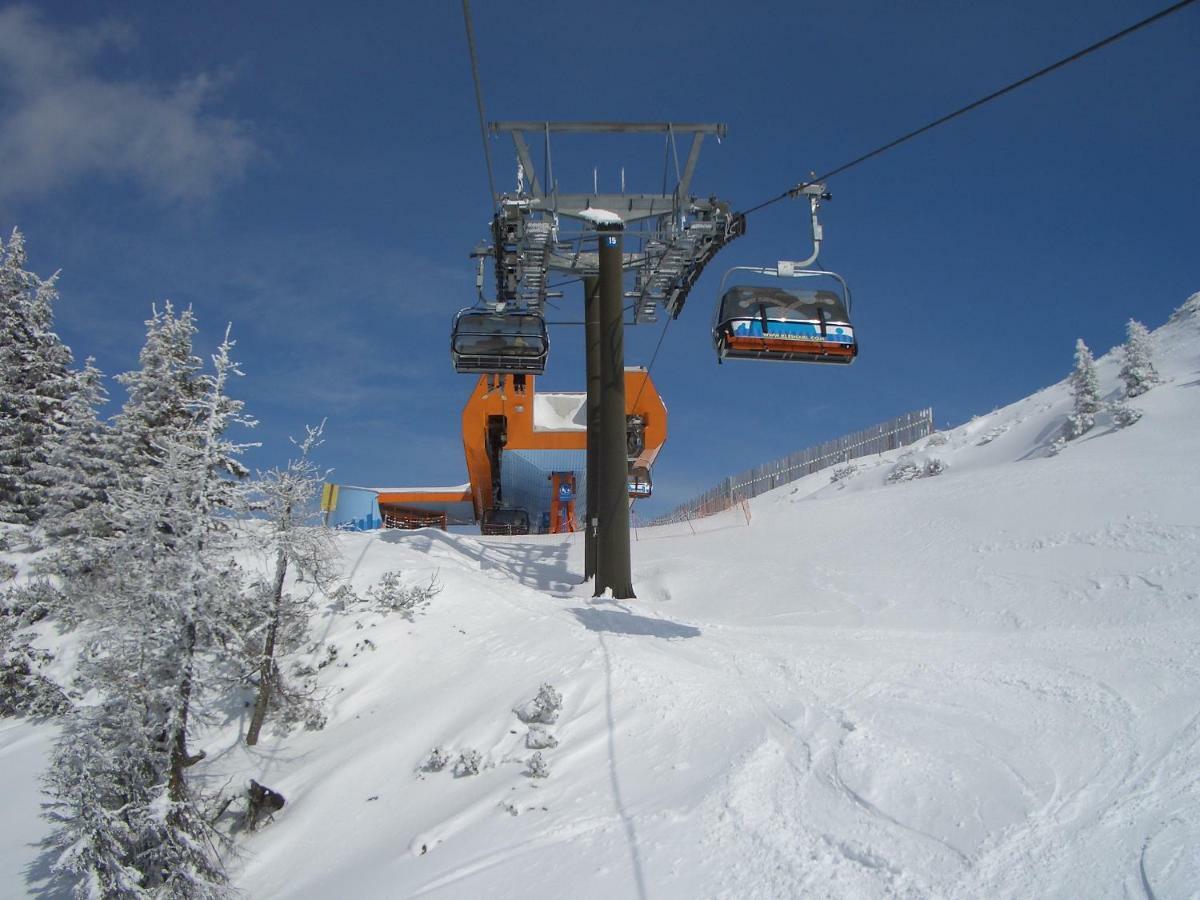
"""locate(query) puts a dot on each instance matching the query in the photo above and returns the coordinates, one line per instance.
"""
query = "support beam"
(591, 319)
(689, 168)
(613, 569)
(718, 128)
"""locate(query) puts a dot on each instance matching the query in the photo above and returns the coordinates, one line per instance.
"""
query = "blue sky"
(314, 175)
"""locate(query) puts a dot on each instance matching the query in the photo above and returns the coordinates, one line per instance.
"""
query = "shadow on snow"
(613, 622)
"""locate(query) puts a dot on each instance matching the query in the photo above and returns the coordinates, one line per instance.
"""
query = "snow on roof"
(560, 412)
(600, 217)
(453, 489)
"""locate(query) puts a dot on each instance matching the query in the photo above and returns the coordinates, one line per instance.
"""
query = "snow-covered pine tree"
(97, 779)
(80, 468)
(35, 379)
(286, 497)
(1085, 390)
(161, 605)
(162, 393)
(1137, 368)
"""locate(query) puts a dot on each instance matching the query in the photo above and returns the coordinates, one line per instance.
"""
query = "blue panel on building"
(357, 509)
(525, 477)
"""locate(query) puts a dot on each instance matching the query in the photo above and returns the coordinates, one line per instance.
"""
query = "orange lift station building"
(526, 457)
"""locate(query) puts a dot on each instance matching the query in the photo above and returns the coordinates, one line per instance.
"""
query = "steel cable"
(1112, 38)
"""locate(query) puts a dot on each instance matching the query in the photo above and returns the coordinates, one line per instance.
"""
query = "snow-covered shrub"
(392, 595)
(343, 598)
(23, 690)
(1123, 415)
(297, 702)
(543, 708)
(904, 470)
(437, 760)
(938, 439)
(1085, 391)
(1137, 367)
(7, 571)
(1057, 446)
(841, 473)
(537, 767)
(468, 763)
(331, 655)
(908, 468)
(314, 718)
(31, 602)
(539, 738)
(992, 434)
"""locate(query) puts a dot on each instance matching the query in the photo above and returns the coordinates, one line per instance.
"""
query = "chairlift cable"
(1113, 38)
(650, 367)
(487, 150)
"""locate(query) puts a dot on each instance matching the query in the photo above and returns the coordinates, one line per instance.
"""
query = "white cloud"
(61, 120)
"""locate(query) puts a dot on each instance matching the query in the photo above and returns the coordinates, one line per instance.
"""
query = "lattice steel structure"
(670, 236)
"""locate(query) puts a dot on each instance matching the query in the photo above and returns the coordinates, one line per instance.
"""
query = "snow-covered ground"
(980, 684)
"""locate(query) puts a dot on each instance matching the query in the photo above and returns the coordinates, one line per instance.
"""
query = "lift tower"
(646, 248)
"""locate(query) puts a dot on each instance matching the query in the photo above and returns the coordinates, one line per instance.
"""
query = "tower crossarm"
(669, 236)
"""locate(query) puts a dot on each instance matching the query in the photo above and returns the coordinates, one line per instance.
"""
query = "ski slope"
(980, 684)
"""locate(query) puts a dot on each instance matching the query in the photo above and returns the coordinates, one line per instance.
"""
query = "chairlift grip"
(818, 233)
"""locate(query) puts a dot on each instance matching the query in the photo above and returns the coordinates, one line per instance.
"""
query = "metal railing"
(890, 435)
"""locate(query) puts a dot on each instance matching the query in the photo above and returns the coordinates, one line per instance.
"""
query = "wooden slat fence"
(898, 432)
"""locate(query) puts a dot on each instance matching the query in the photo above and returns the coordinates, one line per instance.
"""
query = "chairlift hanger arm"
(815, 192)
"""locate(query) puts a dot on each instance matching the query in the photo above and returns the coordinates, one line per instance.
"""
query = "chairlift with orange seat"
(778, 322)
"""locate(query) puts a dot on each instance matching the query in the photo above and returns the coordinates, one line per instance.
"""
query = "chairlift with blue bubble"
(787, 324)
(640, 484)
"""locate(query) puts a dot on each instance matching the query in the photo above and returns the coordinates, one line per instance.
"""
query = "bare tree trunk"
(179, 755)
(266, 667)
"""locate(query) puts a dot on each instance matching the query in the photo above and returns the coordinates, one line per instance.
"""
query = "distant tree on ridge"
(1085, 391)
(1137, 368)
